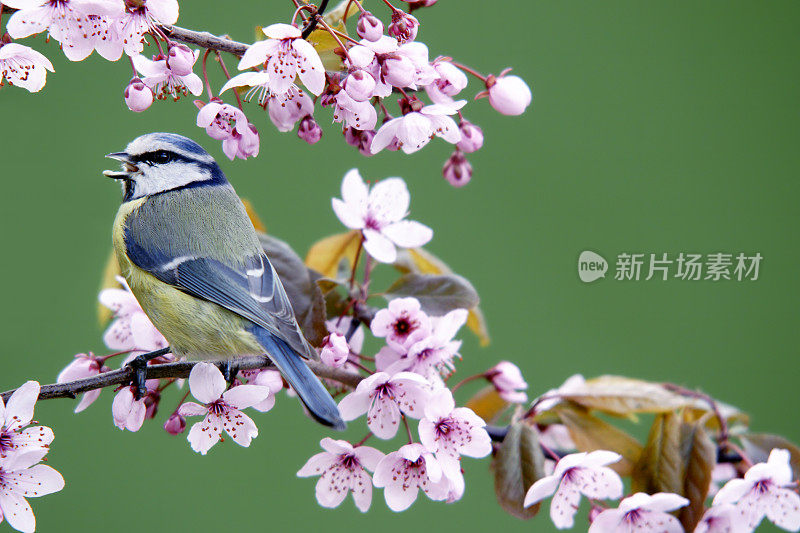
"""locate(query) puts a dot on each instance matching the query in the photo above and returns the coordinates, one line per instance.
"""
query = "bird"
(192, 259)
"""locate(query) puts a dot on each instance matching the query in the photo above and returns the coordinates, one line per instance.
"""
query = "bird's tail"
(308, 386)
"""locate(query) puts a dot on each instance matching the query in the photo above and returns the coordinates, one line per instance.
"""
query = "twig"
(314, 19)
(204, 39)
(179, 369)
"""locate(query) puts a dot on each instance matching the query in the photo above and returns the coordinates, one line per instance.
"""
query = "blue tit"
(191, 257)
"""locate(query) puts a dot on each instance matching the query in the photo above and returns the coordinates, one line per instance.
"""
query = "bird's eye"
(160, 157)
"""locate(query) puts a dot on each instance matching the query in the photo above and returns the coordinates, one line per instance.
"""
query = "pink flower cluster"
(766, 491)
(282, 72)
(22, 447)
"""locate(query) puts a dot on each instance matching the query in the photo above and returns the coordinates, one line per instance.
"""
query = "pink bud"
(369, 27)
(175, 425)
(365, 146)
(471, 137)
(334, 350)
(309, 130)
(398, 70)
(457, 170)
(359, 84)
(138, 96)
(352, 136)
(404, 26)
(508, 381)
(151, 402)
(416, 4)
(509, 95)
(180, 59)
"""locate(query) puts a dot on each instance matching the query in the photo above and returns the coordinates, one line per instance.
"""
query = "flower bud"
(309, 130)
(175, 425)
(359, 84)
(138, 96)
(416, 4)
(334, 350)
(509, 95)
(403, 27)
(365, 146)
(471, 137)
(508, 381)
(352, 136)
(369, 27)
(180, 59)
(398, 70)
(457, 170)
(151, 402)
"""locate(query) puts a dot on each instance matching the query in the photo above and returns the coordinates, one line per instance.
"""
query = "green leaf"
(699, 457)
(591, 433)
(303, 292)
(438, 294)
(660, 466)
(518, 464)
(758, 446)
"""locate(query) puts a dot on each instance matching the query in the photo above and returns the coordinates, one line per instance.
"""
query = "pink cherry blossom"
(225, 123)
(142, 17)
(383, 398)
(257, 81)
(508, 381)
(273, 381)
(128, 412)
(180, 59)
(163, 81)
(131, 330)
(79, 26)
(334, 351)
(450, 431)
(723, 518)
(402, 323)
(576, 474)
(379, 213)
(175, 424)
(424, 73)
(242, 144)
(288, 107)
(641, 512)
(765, 491)
(20, 478)
(342, 468)
(404, 27)
(138, 97)
(309, 130)
(286, 55)
(359, 85)
(551, 398)
(369, 26)
(341, 325)
(721, 474)
(23, 66)
(222, 408)
(451, 80)
(83, 366)
(509, 95)
(15, 435)
(355, 114)
(431, 356)
(405, 472)
(415, 129)
(471, 137)
(457, 170)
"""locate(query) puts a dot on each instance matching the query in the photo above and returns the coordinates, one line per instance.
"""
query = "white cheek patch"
(160, 178)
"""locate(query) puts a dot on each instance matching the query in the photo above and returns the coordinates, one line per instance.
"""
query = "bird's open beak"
(128, 167)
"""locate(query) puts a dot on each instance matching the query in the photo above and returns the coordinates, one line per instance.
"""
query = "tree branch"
(179, 369)
(204, 39)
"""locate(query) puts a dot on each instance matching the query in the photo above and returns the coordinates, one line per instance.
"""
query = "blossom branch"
(204, 39)
(180, 369)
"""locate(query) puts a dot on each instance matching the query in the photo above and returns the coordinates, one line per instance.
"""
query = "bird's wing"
(252, 290)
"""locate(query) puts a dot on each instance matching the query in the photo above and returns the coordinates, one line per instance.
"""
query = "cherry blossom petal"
(205, 434)
(282, 70)
(192, 409)
(206, 382)
(164, 11)
(246, 79)
(34, 437)
(39, 480)
(361, 485)
(87, 399)
(383, 418)
(354, 405)
(390, 199)
(564, 506)
(243, 396)
(347, 214)
(19, 410)
(408, 233)
(785, 510)
(385, 135)
(368, 457)
(599, 483)
(607, 521)
(316, 464)
(379, 247)
(281, 31)
(310, 68)
(414, 132)
(354, 190)
(543, 488)
(398, 497)
(329, 490)
(239, 426)
(257, 54)
(17, 512)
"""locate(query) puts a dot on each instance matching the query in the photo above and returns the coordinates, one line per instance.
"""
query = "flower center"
(349, 461)
(444, 427)
(5, 442)
(218, 407)
(403, 327)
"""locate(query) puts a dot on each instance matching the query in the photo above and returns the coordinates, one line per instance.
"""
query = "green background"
(656, 127)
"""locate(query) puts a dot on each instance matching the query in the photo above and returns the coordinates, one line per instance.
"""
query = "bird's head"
(160, 162)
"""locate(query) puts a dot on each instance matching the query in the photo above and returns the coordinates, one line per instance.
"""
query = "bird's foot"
(139, 367)
(229, 370)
